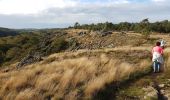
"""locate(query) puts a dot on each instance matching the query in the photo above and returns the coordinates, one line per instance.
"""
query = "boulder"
(123, 32)
(150, 93)
(105, 33)
(81, 33)
(162, 85)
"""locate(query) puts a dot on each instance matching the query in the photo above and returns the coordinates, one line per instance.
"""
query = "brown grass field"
(74, 75)
(71, 78)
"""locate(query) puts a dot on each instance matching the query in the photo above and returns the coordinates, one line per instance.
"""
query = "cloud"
(36, 6)
(88, 12)
(158, 0)
(32, 6)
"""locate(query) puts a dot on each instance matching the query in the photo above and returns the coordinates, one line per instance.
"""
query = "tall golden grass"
(69, 79)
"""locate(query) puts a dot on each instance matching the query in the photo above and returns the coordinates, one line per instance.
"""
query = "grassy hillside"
(72, 76)
(45, 42)
(7, 32)
(77, 64)
(13, 48)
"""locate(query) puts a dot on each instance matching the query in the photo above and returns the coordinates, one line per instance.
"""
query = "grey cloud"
(88, 13)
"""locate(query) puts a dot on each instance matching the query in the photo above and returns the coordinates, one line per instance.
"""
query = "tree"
(145, 28)
(108, 26)
(76, 25)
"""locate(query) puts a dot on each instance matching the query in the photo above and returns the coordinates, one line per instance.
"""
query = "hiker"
(157, 57)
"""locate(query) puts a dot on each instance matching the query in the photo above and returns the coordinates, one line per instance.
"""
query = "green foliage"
(5, 47)
(59, 45)
(13, 48)
(13, 53)
(7, 32)
(144, 27)
(76, 25)
(146, 33)
(133, 91)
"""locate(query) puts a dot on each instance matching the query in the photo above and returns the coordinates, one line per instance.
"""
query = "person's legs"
(154, 66)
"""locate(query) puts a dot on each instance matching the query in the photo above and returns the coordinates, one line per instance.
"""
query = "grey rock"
(150, 93)
(162, 85)
(29, 59)
(82, 33)
(123, 33)
(105, 33)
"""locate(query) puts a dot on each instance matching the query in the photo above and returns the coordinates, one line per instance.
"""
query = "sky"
(63, 13)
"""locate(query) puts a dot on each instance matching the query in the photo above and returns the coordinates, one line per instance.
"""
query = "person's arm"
(161, 51)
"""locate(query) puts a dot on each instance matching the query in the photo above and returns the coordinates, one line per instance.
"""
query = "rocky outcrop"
(82, 33)
(42, 49)
(104, 33)
(29, 59)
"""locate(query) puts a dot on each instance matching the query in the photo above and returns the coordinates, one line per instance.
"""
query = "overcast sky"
(62, 13)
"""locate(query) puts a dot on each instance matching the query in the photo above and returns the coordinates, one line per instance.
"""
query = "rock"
(42, 49)
(162, 85)
(167, 85)
(150, 93)
(162, 91)
(111, 46)
(81, 33)
(29, 59)
(104, 33)
(123, 33)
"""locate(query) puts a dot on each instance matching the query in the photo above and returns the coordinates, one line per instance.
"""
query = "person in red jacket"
(157, 57)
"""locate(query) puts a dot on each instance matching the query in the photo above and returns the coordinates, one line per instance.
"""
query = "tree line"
(143, 26)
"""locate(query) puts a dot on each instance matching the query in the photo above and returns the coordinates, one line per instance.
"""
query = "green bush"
(59, 44)
(13, 53)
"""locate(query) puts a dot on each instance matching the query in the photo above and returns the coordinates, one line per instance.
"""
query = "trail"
(160, 95)
(111, 90)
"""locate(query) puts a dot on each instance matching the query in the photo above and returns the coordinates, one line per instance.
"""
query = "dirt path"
(156, 86)
(111, 92)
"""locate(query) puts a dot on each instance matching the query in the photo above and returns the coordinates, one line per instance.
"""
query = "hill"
(7, 32)
(78, 64)
(78, 75)
(39, 43)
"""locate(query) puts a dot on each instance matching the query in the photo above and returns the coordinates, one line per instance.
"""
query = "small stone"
(162, 91)
(150, 92)
(167, 85)
(145, 97)
(162, 85)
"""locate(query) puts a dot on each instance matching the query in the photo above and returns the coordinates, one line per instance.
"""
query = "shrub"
(59, 45)
(12, 53)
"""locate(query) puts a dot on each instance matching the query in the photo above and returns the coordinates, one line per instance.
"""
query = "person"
(157, 57)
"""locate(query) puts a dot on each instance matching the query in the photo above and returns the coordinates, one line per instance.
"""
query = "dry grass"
(71, 78)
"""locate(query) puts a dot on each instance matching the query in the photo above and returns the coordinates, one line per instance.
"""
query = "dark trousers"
(156, 66)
